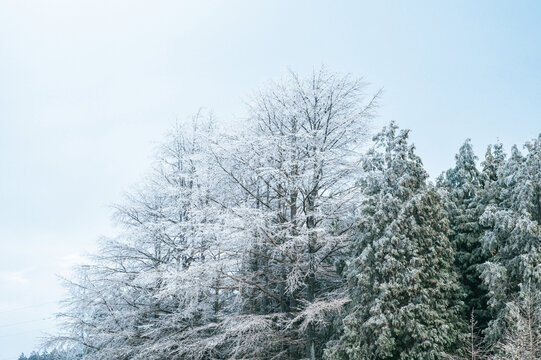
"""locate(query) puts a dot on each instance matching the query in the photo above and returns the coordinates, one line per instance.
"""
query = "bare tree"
(522, 339)
(228, 250)
(297, 164)
(474, 347)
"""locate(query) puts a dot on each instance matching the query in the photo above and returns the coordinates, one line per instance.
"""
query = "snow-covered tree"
(228, 249)
(403, 286)
(522, 339)
(281, 240)
(494, 158)
(158, 285)
(55, 354)
(464, 186)
(296, 164)
(473, 346)
(513, 237)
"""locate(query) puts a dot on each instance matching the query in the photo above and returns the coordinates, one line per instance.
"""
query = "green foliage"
(404, 289)
(513, 235)
(464, 186)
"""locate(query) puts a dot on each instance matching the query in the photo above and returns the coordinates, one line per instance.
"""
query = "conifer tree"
(464, 189)
(513, 237)
(403, 286)
(494, 158)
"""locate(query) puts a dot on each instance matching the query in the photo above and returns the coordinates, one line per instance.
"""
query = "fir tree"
(403, 285)
(494, 158)
(464, 188)
(513, 237)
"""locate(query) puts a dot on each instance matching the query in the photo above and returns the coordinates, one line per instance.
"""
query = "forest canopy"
(304, 235)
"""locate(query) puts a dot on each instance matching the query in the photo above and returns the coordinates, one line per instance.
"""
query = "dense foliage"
(295, 237)
(404, 289)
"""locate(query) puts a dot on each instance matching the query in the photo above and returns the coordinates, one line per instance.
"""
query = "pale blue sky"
(88, 87)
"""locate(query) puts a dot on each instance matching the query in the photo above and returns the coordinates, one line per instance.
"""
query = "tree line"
(298, 235)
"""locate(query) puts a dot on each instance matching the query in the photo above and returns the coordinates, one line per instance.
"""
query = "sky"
(88, 88)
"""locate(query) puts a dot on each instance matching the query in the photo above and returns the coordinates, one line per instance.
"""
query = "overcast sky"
(88, 88)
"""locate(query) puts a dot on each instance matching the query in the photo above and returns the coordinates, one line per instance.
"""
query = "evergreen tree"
(494, 158)
(464, 187)
(513, 238)
(403, 286)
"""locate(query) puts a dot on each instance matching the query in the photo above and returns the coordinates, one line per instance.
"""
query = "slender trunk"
(311, 278)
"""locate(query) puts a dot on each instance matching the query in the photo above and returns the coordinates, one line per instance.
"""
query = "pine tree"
(464, 185)
(403, 286)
